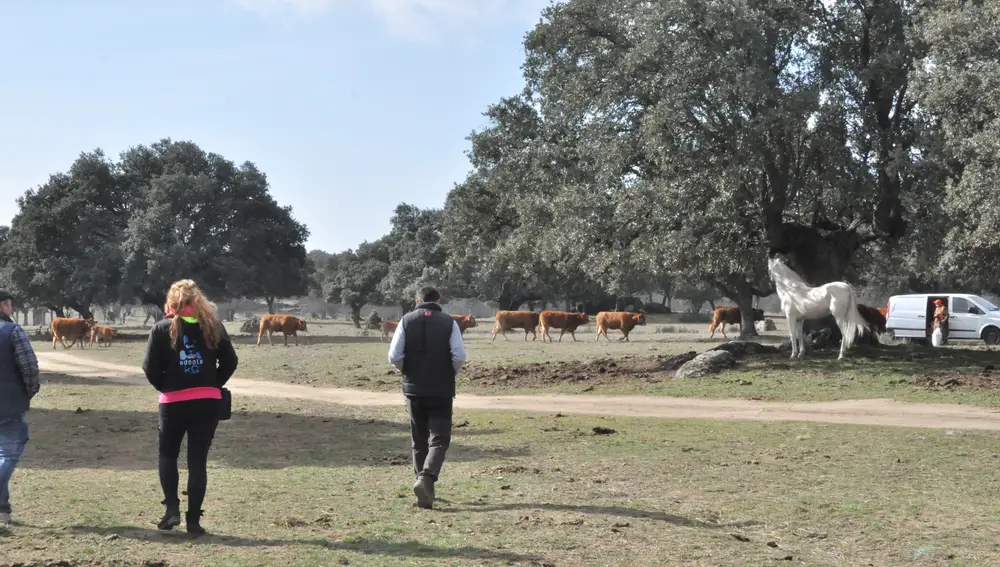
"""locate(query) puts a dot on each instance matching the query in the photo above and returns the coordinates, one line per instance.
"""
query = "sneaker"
(424, 491)
(193, 523)
(4, 520)
(170, 519)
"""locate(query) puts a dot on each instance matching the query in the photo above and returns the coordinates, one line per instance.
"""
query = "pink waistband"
(200, 393)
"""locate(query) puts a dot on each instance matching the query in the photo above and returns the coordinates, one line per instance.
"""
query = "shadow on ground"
(907, 360)
(618, 511)
(127, 440)
(367, 546)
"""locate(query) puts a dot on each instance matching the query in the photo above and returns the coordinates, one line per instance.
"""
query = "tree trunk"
(405, 307)
(356, 314)
(746, 317)
(738, 290)
(270, 304)
(83, 309)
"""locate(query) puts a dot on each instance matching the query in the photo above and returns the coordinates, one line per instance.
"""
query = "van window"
(960, 305)
(989, 306)
(908, 304)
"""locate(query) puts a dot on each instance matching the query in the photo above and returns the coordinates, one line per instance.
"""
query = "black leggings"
(197, 418)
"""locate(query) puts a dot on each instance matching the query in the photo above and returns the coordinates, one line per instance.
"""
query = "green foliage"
(108, 231)
(959, 82)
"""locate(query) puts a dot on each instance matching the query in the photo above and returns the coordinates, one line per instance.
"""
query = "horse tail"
(854, 323)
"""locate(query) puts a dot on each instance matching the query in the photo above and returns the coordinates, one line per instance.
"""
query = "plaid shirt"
(24, 356)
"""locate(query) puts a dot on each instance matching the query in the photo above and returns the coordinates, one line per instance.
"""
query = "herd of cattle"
(535, 323)
(77, 330)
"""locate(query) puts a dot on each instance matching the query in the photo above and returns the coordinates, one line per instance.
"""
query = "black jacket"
(427, 366)
(193, 365)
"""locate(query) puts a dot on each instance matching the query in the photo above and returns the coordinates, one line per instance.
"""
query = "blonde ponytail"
(183, 294)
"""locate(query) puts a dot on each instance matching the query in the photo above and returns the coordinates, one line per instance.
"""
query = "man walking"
(427, 348)
(18, 384)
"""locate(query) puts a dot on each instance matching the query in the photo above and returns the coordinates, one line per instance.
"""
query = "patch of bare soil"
(599, 371)
(987, 378)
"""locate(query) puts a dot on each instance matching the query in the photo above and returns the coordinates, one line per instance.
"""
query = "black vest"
(427, 366)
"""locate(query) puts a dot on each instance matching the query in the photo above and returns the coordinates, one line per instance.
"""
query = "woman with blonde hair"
(189, 358)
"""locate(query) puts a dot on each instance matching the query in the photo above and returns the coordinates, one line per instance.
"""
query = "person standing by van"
(941, 319)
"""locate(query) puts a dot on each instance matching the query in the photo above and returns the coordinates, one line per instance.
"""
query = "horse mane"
(784, 276)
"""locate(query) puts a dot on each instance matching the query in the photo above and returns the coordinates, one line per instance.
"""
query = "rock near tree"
(706, 364)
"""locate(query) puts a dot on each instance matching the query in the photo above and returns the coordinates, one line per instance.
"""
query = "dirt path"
(860, 412)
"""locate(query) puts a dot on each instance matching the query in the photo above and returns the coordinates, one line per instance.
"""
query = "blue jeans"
(13, 438)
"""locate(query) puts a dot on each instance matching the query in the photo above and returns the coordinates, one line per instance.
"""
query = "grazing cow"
(623, 321)
(101, 333)
(565, 321)
(465, 322)
(730, 316)
(507, 320)
(69, 328)
(388, 328)
(286, 324)
(873, 316)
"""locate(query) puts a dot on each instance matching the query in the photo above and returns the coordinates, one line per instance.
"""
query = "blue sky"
(349, 106)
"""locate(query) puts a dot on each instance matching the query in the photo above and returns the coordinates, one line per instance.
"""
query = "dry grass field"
(335, 354)
(302, 483)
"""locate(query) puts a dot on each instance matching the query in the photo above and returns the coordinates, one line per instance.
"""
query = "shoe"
(424, 491)
(171, 518)
(192, 522)
(4, 520)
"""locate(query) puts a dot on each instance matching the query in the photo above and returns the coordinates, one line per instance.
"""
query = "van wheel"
(991, 336)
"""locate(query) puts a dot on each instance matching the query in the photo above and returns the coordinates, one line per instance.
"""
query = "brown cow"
(507, 320)
(730, 316)
(286, 324)
(101, 333)
(623, 321)
(565, 321)
(873, 316)
(68, 328)
(465, 322)
(388, 328)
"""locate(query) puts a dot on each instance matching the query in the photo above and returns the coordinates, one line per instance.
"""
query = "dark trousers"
(198, 419)
(430, 430)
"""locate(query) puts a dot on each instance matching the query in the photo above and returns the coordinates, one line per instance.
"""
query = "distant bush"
(695, 318)
(374, 321)
(251, 325)
(669, 329)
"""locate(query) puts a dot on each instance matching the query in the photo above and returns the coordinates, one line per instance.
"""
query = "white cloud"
(417, 20)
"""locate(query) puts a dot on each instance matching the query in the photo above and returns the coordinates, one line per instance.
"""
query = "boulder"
(740, 349)
(676, 361)
(706, 364)
(765, 325)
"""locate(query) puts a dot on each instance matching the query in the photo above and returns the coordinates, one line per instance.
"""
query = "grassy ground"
(306, 484)
(337, 355)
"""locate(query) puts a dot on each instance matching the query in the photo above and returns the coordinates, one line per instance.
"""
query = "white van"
(969, 317)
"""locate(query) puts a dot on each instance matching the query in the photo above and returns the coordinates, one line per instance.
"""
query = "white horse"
(801, 302)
